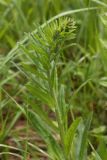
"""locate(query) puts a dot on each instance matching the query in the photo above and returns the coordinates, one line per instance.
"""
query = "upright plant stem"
(54, 94)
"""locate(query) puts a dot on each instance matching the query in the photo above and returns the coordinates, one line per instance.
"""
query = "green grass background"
(85, 73)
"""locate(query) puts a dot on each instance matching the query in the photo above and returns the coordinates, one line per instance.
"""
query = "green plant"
(43, 54)
(40, 61)
(68, 83)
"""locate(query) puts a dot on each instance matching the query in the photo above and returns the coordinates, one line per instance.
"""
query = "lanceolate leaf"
(41, 94)
(81, 150)
(43, 130)
(44, 116)
(70, 135)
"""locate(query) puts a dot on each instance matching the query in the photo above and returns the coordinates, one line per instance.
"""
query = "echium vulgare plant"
(46, 97)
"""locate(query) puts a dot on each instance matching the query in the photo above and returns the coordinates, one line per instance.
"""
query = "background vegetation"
(53, 107)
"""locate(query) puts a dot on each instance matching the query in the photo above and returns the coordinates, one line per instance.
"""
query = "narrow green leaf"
(84, 138)
(103, 83)
(44, 131)
(41, 94)
(70, 135)
(96, 155)
(39, 111)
